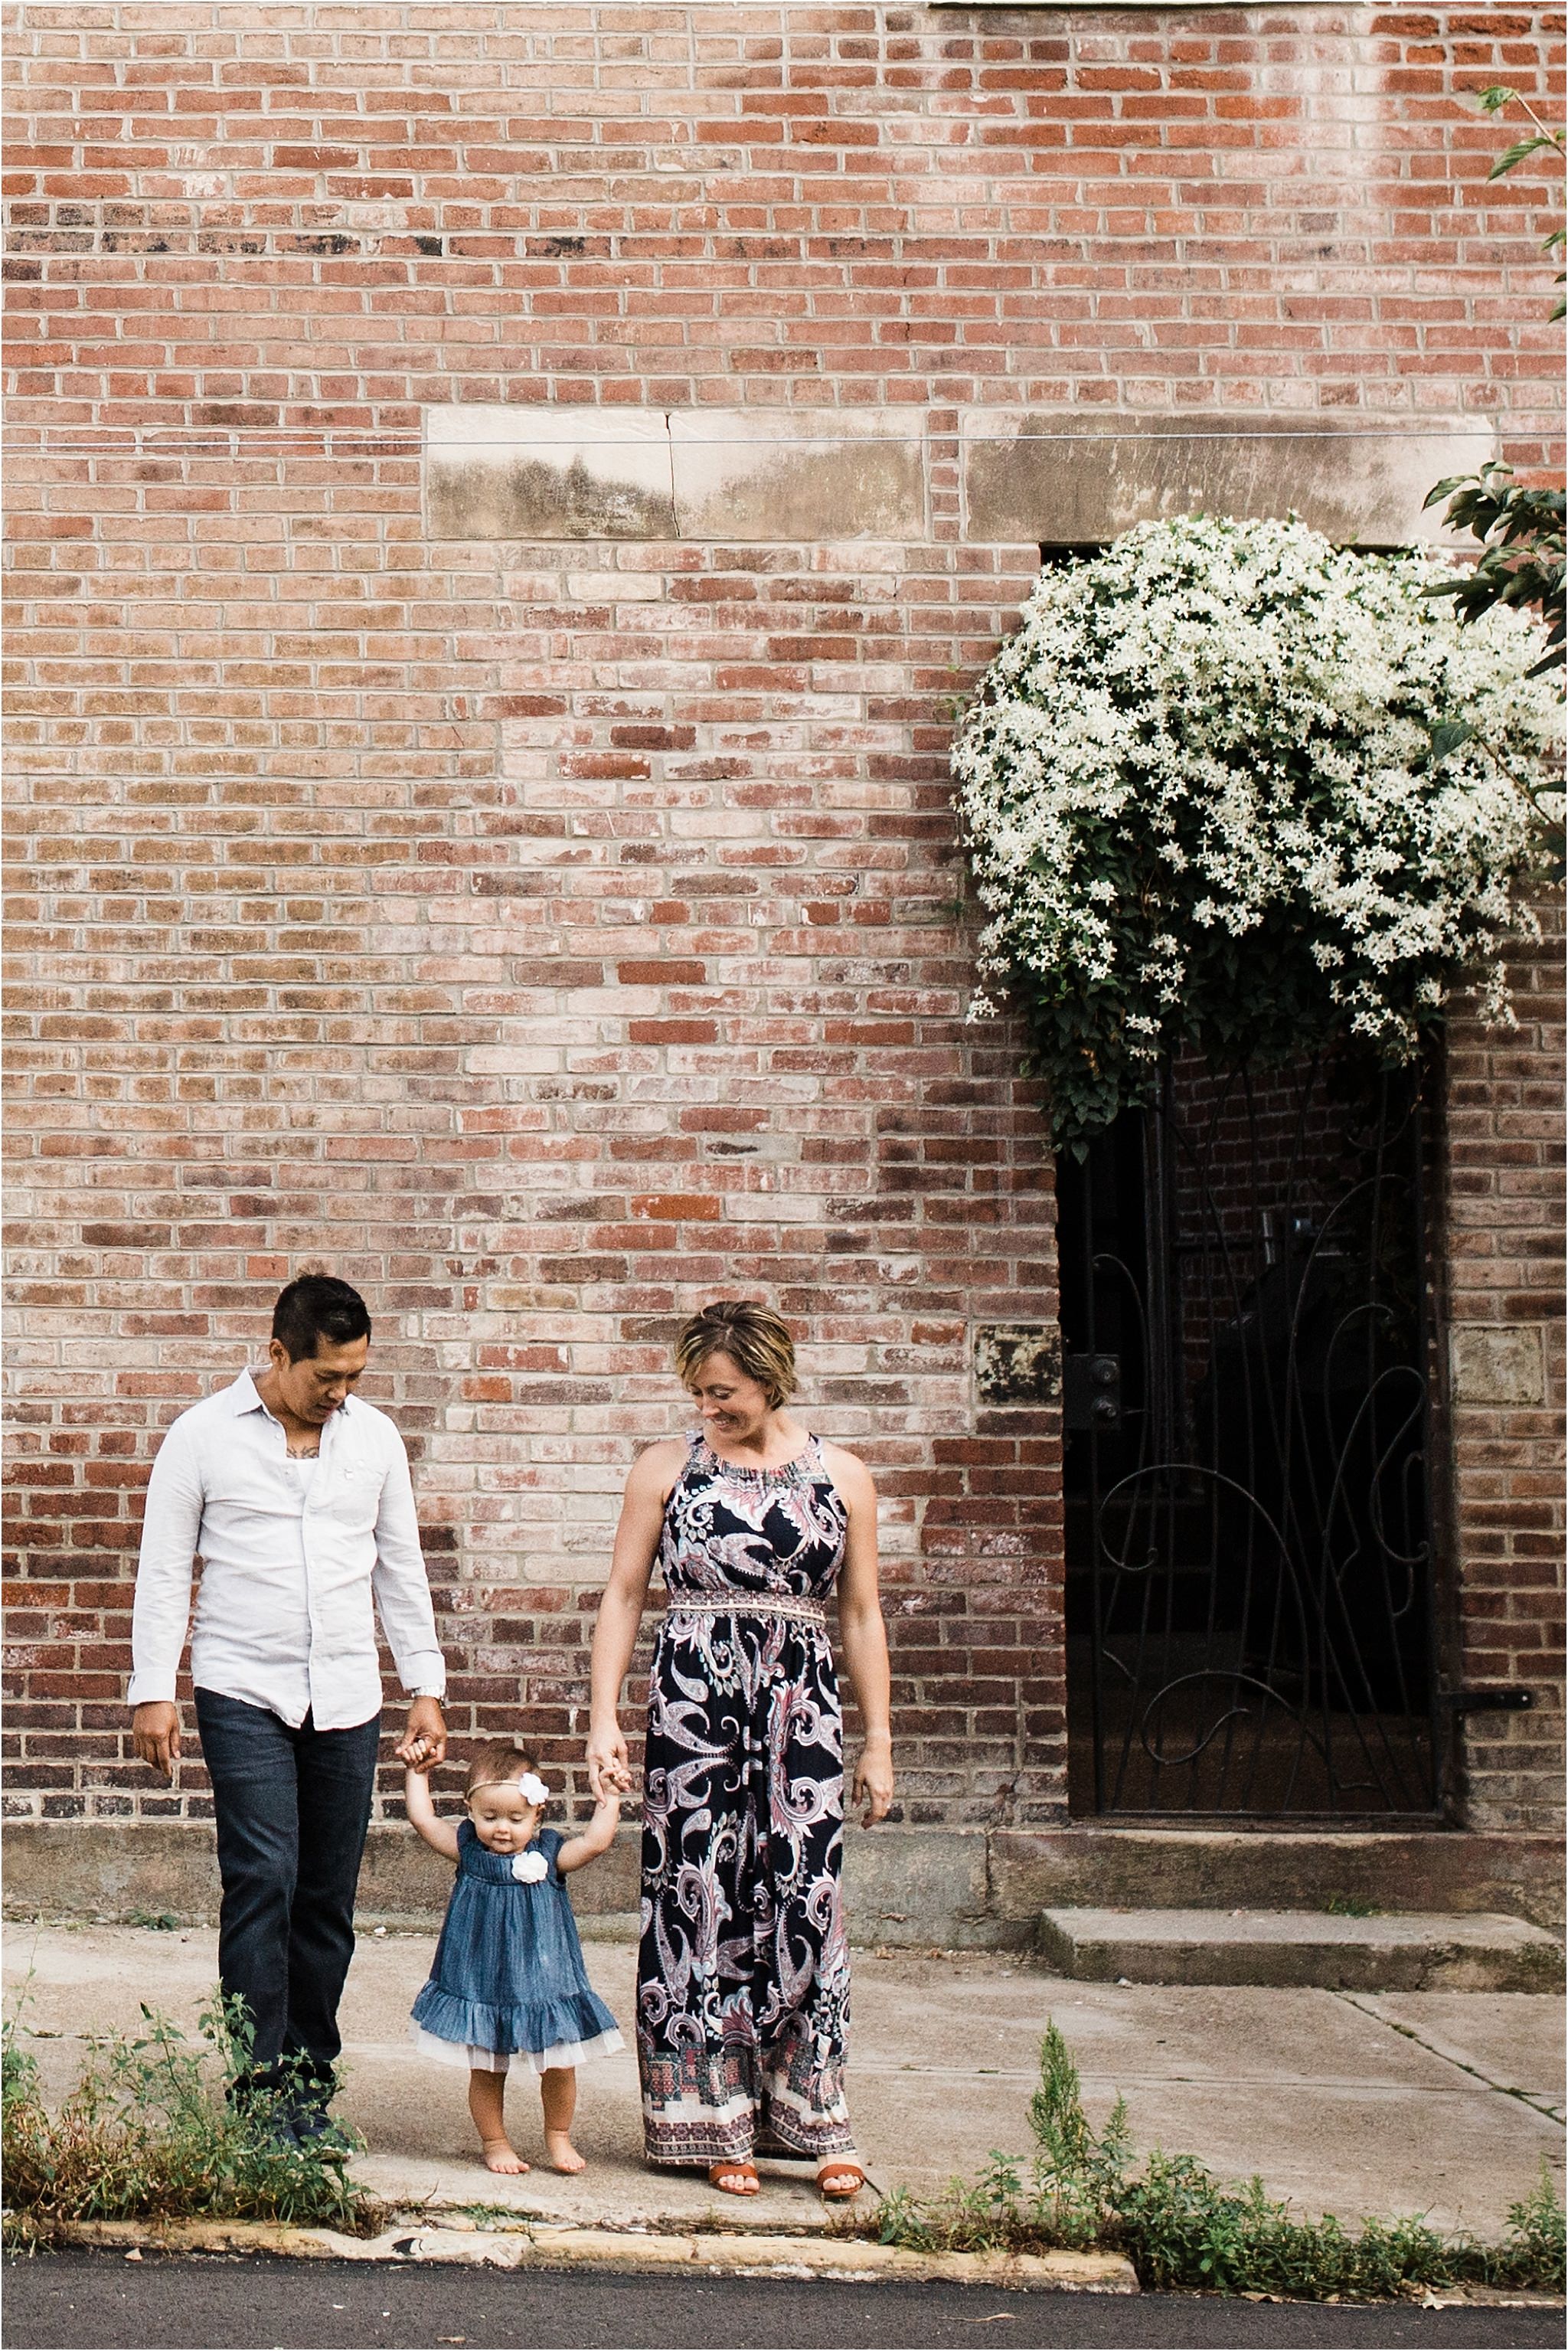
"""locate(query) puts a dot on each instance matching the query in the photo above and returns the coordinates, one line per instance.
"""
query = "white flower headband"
(533, 1788)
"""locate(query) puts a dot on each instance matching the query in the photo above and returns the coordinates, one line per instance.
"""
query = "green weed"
(1182, 2227)
(1351, 1906)
(150, 2133)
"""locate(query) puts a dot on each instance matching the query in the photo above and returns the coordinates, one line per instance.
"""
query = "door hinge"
(1092, 1391)
(1512, 1700)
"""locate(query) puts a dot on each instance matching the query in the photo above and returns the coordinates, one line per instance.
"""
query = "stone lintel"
(806, 476)
(554, 471)
(1035, 475)
(548, 471)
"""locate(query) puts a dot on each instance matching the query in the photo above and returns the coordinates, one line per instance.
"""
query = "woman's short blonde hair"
(752, 1336)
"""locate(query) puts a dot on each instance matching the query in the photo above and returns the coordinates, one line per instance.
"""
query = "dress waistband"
(761, 1603)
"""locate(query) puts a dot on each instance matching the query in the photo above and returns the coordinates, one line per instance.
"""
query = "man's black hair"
(319, 1307)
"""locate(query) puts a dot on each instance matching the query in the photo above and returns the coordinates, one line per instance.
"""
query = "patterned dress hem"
(741, 2147)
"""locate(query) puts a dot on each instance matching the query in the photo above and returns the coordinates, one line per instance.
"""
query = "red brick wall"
(1504, 1207)
(548, 938)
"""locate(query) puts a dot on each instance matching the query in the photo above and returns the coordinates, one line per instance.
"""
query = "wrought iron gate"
(1245, 1320)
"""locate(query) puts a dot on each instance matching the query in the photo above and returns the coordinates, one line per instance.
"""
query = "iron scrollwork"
(1249, 1563)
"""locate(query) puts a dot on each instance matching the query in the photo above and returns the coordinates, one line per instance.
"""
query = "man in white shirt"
(295, 1494)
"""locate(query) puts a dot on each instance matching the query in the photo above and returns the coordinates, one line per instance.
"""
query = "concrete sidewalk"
(1355, 2103)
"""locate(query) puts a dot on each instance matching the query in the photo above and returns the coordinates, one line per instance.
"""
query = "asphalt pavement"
(100, 2301)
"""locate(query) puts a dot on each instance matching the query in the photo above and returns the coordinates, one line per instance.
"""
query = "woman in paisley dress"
(743, 1973)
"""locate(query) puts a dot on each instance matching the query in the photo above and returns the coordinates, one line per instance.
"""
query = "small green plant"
(164, 1921)
(150, 2132)
(1349, 1906)
(1076, 2172)
(1181, 2227)
(1536, 2237)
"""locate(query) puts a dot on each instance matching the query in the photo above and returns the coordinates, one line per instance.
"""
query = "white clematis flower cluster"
(1204, 802)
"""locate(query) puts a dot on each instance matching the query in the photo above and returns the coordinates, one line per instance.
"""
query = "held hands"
(872, 1785)
(423, 1742)
(155, 1735)
(609, 1766)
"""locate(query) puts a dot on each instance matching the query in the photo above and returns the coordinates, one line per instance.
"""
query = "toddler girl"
(508, 1988)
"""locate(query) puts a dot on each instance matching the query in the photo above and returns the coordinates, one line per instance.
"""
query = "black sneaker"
(258, 2106)
(314, 2129)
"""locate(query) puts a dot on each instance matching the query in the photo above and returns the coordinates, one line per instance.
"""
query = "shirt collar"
(243, 1398)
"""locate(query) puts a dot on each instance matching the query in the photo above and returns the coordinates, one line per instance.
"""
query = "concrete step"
(1095, 1867)
(1403, 1951)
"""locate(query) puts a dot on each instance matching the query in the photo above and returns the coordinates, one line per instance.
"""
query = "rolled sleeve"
(170, 1533)
(402, 1585)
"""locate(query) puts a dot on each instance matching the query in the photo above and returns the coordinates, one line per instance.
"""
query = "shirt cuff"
(150, 1688)
(423, 1675)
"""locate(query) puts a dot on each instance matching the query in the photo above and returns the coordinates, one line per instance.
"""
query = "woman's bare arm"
(440, 1835)
(648, 1489)
(862, 1633)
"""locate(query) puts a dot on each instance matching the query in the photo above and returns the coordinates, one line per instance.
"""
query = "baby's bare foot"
(561, 2152)
(500, 2154)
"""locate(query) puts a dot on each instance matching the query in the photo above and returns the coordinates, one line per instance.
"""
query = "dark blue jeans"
(292, 1809)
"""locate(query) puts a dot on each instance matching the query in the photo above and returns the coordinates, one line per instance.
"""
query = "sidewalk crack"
(1369, 2005)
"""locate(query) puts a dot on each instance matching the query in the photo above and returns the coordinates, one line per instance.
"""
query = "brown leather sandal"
(737, 2177)
(840, 2168)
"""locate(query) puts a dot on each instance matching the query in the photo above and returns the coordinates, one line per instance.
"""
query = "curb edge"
(846, 2260)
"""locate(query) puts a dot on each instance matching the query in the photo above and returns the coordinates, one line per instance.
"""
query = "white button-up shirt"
(289, 1564)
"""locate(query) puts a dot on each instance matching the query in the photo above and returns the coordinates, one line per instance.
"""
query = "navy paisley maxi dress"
(743, 1972)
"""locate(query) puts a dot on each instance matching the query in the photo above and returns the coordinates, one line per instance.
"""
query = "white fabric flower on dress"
(530, 1868)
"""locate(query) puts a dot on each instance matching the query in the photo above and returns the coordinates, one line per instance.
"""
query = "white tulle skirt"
(520, 2061)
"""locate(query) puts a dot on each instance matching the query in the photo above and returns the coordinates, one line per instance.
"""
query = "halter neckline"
(791, 1472)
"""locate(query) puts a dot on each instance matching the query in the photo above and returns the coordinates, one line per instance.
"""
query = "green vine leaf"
(1518, 152)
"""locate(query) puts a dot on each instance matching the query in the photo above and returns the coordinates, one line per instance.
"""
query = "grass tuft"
(150, 2133)
(1182, 2227)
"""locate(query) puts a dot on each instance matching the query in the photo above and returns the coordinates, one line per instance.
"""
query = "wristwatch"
(438, 1695)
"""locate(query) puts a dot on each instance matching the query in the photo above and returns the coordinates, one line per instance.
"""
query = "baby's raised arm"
(421, 1813)
(596, 1838)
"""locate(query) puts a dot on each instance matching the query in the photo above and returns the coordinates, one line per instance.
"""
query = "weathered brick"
(1504, 1457)
(549, 937)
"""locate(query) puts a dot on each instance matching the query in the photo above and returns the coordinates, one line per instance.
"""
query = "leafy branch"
(1520, 527)
(1543, 137)
(1522, 564)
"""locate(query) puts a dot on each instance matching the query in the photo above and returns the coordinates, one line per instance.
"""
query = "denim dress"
(509, 1990)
